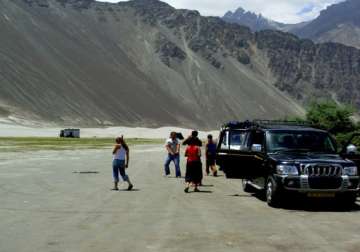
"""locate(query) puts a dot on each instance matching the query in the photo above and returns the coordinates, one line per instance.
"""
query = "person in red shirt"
(193, 166)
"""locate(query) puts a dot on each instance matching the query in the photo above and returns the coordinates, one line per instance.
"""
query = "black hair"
(194, 133)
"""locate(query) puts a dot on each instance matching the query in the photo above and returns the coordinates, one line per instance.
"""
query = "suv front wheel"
(246, 186)
(273, 194)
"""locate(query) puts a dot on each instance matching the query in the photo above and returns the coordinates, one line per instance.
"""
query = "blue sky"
(286, 11)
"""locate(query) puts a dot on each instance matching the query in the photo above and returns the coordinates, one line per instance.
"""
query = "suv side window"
(225, 141)
(237, 139)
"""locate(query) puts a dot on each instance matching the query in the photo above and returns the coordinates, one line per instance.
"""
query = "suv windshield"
(309, 141)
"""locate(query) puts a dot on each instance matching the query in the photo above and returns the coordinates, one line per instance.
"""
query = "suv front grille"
(321, 170)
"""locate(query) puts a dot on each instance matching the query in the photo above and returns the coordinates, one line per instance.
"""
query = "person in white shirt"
(120, 163)
(172, 146)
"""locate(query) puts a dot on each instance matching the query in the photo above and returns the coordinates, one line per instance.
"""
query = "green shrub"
(331, 117)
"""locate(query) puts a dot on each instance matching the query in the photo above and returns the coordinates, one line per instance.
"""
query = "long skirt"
(193, 172)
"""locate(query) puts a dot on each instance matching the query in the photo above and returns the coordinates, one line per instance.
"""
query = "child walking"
(210, 156)
(120, 163)
(193, 166)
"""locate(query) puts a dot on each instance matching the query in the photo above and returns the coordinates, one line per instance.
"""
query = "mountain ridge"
(337, 23)
(257, 22)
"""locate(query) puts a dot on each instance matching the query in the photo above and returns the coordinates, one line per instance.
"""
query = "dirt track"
(44, 206)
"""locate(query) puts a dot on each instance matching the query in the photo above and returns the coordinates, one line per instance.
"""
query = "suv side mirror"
(351, 149)
(256, 148)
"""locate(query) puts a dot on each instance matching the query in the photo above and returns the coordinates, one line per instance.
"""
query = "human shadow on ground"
(126, 190)
(86, 172)
(132, 190)
(302, 203)
(207, 186)
(201, 191)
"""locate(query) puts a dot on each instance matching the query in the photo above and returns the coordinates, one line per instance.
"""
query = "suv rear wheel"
(273, 194)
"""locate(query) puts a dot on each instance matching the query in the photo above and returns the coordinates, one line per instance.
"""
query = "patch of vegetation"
(330, 116)
(46, 143)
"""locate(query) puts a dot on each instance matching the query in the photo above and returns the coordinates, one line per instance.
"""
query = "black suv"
(284, 157)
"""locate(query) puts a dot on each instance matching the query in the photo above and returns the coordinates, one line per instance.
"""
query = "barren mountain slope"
(85, 63)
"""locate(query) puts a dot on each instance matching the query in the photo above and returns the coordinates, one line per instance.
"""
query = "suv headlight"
(287, 170)
(350, 171)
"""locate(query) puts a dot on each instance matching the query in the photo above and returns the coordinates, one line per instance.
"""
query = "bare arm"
(116, 147)
(127, 158)
(169, 150)
(177, 149)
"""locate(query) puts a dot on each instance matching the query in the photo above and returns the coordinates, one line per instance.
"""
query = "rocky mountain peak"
(337, 23)
(255, 22)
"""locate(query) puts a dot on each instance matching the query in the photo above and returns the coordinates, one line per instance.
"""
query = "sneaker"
(115, 189)
(166, 175)
(186, 190)
(130, 187)
(178, 176)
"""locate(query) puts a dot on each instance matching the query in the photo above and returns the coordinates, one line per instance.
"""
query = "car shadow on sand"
(301, 203)
(241, 195)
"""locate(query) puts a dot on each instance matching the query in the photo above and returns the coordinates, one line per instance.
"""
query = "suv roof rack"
(282, 122)
(239, 125)
(264, 123)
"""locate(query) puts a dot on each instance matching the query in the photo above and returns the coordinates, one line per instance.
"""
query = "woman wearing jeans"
(120, 162)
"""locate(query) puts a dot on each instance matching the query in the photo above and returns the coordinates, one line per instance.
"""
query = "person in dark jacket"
(194, 139)
(210, 153)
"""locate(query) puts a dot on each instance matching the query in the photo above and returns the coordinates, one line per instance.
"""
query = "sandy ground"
(9, 129)
(44, 206)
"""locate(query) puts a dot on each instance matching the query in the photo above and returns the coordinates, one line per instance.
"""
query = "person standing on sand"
(120, 163)
(194, 140)
(173, 155)
(193, 166)
(210, 152)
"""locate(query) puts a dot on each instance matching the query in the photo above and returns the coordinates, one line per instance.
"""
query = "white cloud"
(286, 11)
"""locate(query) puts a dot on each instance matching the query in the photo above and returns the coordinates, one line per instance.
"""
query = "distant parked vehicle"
(70, 133)
(281, 158)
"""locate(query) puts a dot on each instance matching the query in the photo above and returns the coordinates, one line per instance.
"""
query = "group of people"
(194, 173)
